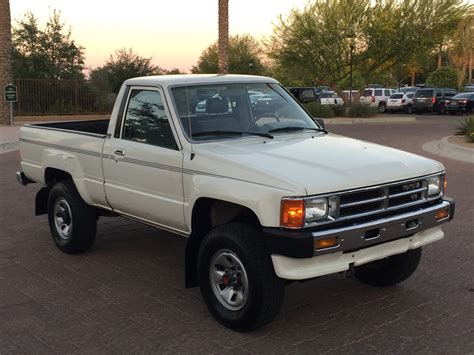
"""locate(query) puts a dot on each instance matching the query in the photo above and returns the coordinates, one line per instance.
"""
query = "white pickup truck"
(263, 192)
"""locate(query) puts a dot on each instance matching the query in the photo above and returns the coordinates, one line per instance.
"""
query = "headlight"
(316, 209)
(296, 212)
(435, 184)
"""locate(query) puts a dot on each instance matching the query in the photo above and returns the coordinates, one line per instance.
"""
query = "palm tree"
(5, 56)
(461, 52)
(223, 42)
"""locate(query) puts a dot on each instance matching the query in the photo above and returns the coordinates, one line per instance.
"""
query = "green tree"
(48, 53)
(123, 65)
(462, 47)
(444, 77)
(245, 57)
(314, 44)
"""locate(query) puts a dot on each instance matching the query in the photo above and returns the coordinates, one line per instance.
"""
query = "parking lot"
(126, 294)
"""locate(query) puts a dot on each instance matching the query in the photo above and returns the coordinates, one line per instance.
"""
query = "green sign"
(10, 93)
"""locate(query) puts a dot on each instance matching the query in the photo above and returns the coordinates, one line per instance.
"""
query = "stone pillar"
(5, 58)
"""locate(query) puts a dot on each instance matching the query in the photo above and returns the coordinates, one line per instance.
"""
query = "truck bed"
(96, 127)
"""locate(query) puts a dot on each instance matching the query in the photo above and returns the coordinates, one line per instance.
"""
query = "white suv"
(376, 97)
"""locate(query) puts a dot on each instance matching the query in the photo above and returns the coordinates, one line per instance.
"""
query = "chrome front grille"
(366, 201)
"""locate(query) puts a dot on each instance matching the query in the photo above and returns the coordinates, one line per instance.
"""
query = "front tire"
(389, 271)
(73, 223)
(237, 279)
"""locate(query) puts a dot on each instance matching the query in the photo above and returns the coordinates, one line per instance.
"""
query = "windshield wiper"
(297, 128)
(227, 133)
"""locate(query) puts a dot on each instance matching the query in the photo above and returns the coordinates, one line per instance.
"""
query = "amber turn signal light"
(292, 213)
(443, 214)
(325, 243)
(445, 184)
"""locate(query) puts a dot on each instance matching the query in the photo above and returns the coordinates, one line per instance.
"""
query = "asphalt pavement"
(126, 294)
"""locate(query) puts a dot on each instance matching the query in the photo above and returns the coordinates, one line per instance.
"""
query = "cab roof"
(193, 79)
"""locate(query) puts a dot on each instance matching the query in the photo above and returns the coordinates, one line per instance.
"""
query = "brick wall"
(5, 57)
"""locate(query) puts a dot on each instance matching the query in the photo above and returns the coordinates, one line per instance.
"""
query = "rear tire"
(389, 271)
(409, 109)
(237, 279)
(73, 223)
(441, 109)
(382, 107)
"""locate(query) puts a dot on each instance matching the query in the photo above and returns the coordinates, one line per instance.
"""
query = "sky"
(173, 32)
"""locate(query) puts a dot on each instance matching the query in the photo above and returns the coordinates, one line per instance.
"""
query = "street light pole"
(350, 76)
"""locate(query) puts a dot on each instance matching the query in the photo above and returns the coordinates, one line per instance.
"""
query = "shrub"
(319, 111)
(466, 128)
(339, 111)
(361, 110)
(445, 77)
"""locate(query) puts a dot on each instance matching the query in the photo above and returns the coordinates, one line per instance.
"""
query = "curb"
(449, 150)
(394, 119)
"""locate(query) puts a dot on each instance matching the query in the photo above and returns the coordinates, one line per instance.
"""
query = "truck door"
(142, 163)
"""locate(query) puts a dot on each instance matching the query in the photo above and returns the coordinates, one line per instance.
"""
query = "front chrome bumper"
(358, 235)
(383, 230)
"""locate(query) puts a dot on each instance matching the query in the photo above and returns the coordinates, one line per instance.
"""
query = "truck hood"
(309, 163)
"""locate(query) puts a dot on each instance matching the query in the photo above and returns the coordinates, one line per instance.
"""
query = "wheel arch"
(208, 213)
(51, 177)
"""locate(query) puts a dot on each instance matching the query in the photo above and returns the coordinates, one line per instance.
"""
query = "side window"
(378, 92)
(146, 120)
(439, 93)
(450, 93)
(387, 93)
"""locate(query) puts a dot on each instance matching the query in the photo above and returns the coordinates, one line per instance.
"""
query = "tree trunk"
(5, 57)
(471, 59)
(223, 42)
(440, 58)
(413, 77)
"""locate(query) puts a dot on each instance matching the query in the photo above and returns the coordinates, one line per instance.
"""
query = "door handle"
(119, 152)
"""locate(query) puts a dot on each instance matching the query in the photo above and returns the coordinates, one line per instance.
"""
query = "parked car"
(330, 98)
(431, 99)
(409, 89)
(460, 103)
(264, 199)
(400, 102)
(376, 97)
(469, 88)
(304, 94)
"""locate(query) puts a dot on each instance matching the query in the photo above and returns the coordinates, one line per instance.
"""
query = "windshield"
(424, 93)
(397, 96)
(220, 111)
(408, 89)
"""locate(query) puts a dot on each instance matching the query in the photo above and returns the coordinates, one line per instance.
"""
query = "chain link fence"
(38, 97)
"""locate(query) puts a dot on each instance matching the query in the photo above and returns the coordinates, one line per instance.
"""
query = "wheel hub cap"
(229, 279)
(63, 218)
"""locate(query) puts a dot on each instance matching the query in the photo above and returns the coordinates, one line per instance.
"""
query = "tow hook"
(350, 271)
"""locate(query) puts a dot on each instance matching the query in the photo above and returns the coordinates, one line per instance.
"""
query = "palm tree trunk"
(223, 42)
(413, 78)
(471, 59)
(5, 57)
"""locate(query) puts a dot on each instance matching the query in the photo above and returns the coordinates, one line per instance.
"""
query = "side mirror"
(320, 121)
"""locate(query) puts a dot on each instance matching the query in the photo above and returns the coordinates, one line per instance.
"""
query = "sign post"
(11, 97)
